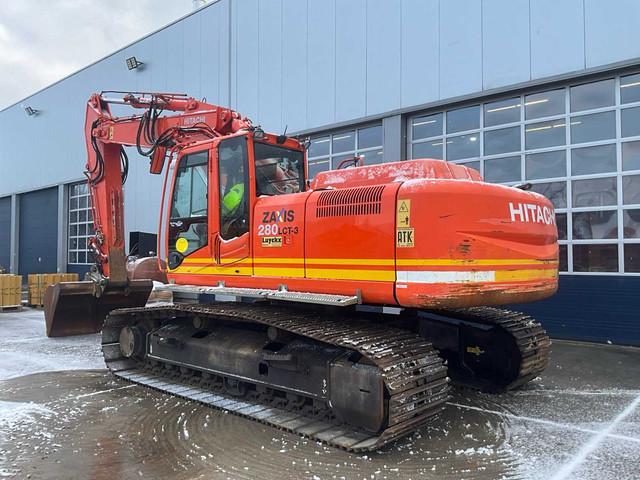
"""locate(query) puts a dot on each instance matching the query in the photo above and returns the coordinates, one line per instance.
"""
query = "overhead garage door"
(5, 233)
(38, 234)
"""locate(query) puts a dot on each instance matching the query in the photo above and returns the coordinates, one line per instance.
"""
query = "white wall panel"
(214, 54)
(420, 52)
(143, 51)
(270, 66)
(175, 50)
(160, 67)
(612, 31)
(294, 64)
(190, 60)
(557, 37)
(321, 67)
(351, 60)
(505, 43)
(222, 49)
(245, 29)
(460, 47)
(383, 55)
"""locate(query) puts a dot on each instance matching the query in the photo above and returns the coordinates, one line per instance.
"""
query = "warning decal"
(405, 237)
(403, 213)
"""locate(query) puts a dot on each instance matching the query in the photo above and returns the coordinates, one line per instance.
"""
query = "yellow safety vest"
(232, 199)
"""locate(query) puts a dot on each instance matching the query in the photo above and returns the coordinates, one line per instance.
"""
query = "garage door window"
(577, 144)
(327, 151)
(80, 225)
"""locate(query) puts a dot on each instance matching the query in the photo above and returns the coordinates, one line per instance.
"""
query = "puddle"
(90, 424)
(86, 424)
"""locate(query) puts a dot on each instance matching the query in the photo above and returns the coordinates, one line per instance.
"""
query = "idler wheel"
(131, 342)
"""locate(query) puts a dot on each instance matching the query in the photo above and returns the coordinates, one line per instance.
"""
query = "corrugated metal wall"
(366, 57)
(5, 233)
(38, 232)
(310, 63)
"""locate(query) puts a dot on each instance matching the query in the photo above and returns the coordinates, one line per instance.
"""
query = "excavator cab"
(215, 189)
(212, 189)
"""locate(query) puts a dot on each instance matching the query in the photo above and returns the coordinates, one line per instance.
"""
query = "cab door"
(231, 222)
(188, 223)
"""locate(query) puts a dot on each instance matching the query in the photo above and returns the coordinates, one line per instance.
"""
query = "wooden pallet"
(10, 308)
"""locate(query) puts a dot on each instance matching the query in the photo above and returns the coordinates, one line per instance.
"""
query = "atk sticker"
(403, 213)
(405, 237)
(271, 242)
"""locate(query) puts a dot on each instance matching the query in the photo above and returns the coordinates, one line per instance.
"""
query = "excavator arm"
(73, 308)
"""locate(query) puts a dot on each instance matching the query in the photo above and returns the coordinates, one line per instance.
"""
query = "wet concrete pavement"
(62, 416)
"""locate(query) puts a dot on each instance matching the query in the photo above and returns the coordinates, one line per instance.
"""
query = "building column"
(394, 142)
(15, 224)
(62, 229)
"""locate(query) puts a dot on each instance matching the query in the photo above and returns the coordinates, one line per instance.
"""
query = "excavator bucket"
(72, 308)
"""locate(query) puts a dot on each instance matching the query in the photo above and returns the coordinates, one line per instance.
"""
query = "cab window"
(278, 170)
(234, 187)
(188, 219)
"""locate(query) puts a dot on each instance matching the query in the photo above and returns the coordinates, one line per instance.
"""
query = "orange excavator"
(340, 308)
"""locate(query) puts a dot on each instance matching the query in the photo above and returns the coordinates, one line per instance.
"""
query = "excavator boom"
(74, 308)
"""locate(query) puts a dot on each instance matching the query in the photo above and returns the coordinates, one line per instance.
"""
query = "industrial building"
(534, 91)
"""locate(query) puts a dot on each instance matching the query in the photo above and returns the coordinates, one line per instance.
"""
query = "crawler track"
(415, 378)
(521, 343)
(531, 339)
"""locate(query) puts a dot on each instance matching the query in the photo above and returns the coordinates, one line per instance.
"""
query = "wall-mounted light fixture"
(133, 63)
(30, 111)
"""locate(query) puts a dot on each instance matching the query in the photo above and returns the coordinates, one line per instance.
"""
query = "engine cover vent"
(350, 201)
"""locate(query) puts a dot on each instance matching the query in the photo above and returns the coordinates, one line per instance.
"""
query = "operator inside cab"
(233, 204)
(278, 171)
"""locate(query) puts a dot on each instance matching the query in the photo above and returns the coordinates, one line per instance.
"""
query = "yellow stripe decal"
(351, 261)
(409, 262)
(524, 275)
(210, 261)
(242, 266)
(433, 262)
(278, 272)
(226, 270)
(344, 274)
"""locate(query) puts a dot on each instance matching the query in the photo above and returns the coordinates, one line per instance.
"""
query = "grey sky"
(42, 41)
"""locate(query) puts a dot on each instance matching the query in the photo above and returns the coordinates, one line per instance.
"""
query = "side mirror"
(175, 259)
(157, 160)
